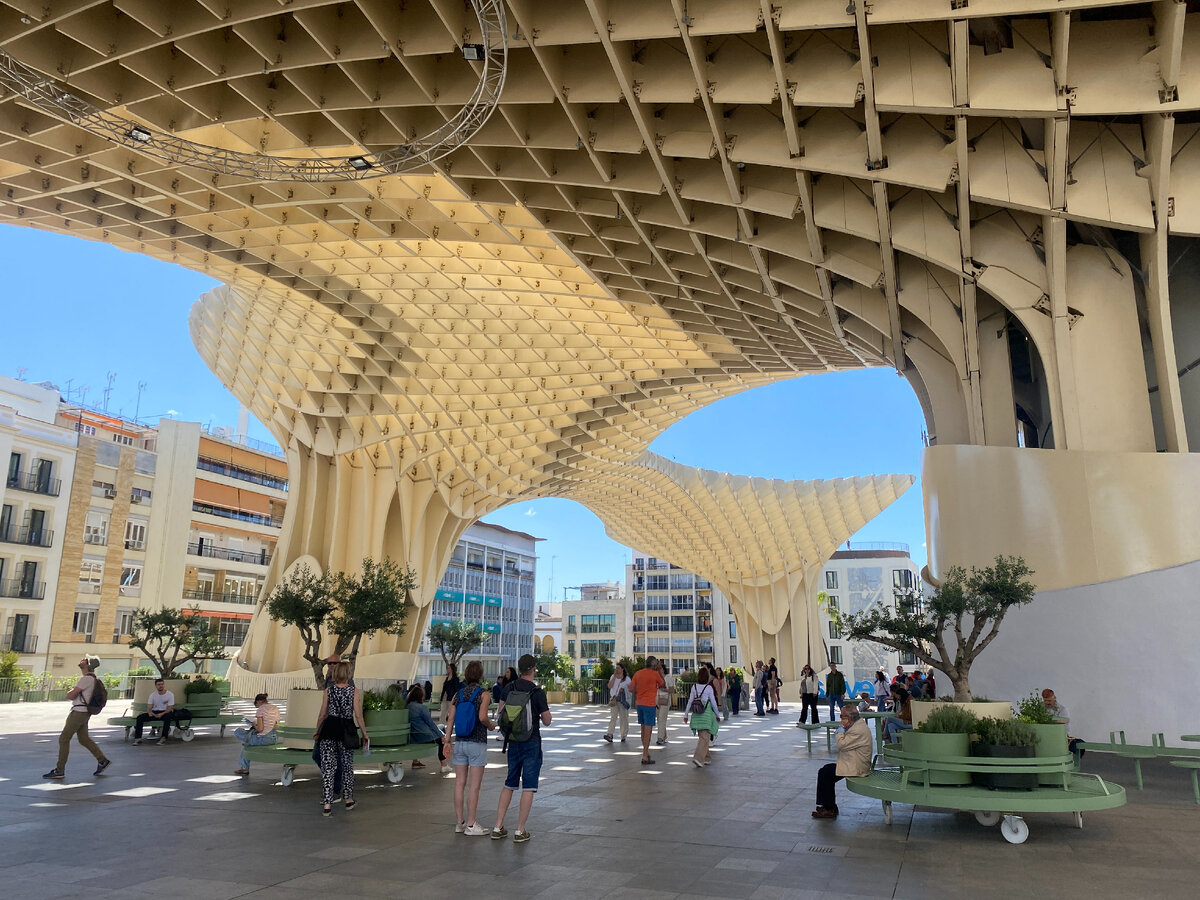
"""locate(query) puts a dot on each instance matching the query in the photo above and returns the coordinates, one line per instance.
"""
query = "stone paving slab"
(603, 825)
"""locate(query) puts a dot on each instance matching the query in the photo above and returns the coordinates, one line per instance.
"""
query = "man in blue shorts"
(645, 685)
(524, 752)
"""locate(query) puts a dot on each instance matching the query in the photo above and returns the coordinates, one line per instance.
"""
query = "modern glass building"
(490, 580)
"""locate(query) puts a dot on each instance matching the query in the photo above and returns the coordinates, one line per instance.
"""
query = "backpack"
(697, 705)
(516, 721)
(466, 713)
(99, 697)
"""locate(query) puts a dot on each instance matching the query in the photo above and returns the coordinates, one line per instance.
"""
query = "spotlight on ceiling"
(359, 163)
(139, 134)
(473, 52)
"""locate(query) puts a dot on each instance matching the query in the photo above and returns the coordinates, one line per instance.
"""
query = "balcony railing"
(23, 590)
(254, 557)
(32, 537)
(703, 604)
(35, 483)
(254, 477)
(214, 597)
(639, 627)
(639, 607)
(238, 515)
(21, 643)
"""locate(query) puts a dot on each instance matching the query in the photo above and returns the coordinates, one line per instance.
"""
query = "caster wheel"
(285, 777)
(887, 812)
(1014, 829)
(187, 735)
(987, 817)
(395, 774)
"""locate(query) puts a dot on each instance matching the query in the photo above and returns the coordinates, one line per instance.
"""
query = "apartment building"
(39, 459)
(863, 577)
(678, 616)
(490, 580)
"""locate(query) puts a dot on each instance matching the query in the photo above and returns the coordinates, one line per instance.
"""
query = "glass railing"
(22, 590)
(20, 643)
(213, 597)
(31, 537)
(230, 471)
(255, 557)
(238, 515)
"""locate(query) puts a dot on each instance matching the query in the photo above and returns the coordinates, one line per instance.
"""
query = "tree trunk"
(959, 677)
(316, 667)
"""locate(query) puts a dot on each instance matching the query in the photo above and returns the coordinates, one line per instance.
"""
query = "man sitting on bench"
(160, 710)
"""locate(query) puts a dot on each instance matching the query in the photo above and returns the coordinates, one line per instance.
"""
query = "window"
(656, 582)
(658, 623)
(14, 468)
(833, 603)
(91, 573)
(570, 624)
(84, 622)
(135, 534)
(240, 590)
(658, 601)
(123, 624)
(571, 649)
(834, 632)
(831, 581)
(85, 429)
(123, 439)
(95, 529)
(902, 579)
(682, 623)
(733, 654)
(681, 601)
(835, 655)
(599, 624)
(907, 658)
(139, 495)
(594, 649)
(131, 580)
(475, 558)
(733, 631)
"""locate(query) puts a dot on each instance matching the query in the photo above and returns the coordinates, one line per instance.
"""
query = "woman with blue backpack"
(467, 732)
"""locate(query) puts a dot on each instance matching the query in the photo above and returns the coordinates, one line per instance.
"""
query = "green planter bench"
(1180, 757)
(202, 714)
(909, 783)
(390, 749)
(828, 727)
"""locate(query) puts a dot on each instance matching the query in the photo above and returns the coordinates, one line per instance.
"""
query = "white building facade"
(490, 581)
(678, 616)
(860, 579)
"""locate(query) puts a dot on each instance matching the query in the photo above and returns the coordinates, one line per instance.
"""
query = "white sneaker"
(460, 827)
(475, 830)
(446, 770)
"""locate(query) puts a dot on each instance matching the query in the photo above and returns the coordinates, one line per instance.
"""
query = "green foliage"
(305, 601)
(375, 701)
(205, 684)
(632, 663)
(950, 720)
(552, 667)
(578, 684)
(112, 680)
(1033, 710)
(1006, 733)
(604, 669)
(454, 640)
(141, 672)
(9, 667)
(66, 682)
(172, 637)
(967, 608)
(376, 600)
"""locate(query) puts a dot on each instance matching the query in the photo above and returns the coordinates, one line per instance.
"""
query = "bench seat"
(810, 727)
(205, 715)
(390, 749)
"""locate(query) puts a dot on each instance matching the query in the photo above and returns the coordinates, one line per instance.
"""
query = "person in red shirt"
(645, 685)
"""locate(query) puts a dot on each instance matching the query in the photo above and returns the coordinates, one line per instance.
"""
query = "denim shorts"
(648, 715)
(469, 753)
(524, 765)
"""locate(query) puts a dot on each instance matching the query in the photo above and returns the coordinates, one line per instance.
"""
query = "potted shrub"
(1051, 735)
(946, 732)
(1005, 739)
(385, 709)
(202, 697)
(577, 690)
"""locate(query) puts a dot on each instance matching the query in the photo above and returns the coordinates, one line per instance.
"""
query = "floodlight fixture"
(473, 52)
(139, 134)
(359, 163)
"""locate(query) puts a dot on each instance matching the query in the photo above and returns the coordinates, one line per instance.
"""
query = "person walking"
(664, 703)
(883, 690)
(619, 703)
(645, 684)
(835, 688)
(339, 721)
(717, 682)
(528, 702)
(853, 761)
(700, 714)
(449, 691)
(468, 734)
(760, 686)
(773, 686)
(76, 725)
(258, 733)
(808, 695)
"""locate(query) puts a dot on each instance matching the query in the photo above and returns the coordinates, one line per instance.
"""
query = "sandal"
(327, 810)
(350, 804)
(241, 771)
(647, 762)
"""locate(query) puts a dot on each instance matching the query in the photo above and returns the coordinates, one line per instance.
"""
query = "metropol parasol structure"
(480, 252)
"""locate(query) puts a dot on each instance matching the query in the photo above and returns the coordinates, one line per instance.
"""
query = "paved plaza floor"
(175, 821)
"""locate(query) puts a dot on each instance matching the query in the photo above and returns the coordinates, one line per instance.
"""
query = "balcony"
(253, 557)
(704, 604)
(639, 607)
(214, 597)
(639, 646)
(23, 590)
(254, 477)
(237, 515)
(31, 537)
(639, 627)
(35, 483)
(26, 643)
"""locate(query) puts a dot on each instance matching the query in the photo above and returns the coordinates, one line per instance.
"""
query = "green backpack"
(516, 720)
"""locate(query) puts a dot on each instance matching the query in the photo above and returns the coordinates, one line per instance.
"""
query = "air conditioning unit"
(135, 498)
(110, 493)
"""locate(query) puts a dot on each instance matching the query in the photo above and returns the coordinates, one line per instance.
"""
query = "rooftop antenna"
(111, 376)
(550, 586)
(141, 387)
(21, 373)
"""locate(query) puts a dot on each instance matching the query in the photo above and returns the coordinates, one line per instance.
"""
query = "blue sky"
(76, 310)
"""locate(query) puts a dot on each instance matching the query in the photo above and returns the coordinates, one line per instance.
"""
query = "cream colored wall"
(167, 536)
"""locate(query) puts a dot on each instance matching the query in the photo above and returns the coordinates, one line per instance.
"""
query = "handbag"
(351, 739)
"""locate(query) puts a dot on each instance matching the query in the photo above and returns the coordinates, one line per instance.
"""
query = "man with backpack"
(87, 699)
(525, 711)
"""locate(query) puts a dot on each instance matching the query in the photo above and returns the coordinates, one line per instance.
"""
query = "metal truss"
(417, 154)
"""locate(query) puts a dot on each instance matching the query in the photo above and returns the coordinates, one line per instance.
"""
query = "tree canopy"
(966, 607)
(305, 601)
(553, 666)
(376, 600)
(454, 640)
(172, 637)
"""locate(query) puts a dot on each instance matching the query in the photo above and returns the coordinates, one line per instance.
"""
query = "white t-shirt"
(85, 685)
(159, 702)
(621, 685)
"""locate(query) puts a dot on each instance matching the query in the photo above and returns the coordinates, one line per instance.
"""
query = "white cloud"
(531, 512)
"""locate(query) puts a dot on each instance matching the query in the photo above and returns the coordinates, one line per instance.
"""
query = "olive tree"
(375, 600)
(454, 640)
(305, 601)
(172, 637)
(967, 608)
